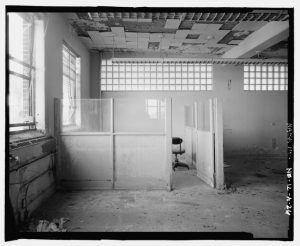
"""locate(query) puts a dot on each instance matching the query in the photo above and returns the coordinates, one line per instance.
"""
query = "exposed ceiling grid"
(195, 33)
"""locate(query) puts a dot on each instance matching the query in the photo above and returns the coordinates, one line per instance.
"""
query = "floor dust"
(254, 201)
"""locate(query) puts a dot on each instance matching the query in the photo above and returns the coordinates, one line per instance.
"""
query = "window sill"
(15, 138)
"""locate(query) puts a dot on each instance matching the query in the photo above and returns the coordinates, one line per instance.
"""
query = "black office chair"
(177, 141)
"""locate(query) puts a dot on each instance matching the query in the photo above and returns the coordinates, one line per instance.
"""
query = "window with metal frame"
(71, 84)
(155, 76)
(21, 32)
(265, 77)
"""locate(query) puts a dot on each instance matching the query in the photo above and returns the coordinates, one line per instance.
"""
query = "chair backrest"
(176, 140)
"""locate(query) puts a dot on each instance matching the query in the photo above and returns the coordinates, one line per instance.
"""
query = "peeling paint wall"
(58, 30)
(252, 119)
(31, 176)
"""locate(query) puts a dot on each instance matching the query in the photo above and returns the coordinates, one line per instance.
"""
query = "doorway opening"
(203, 147)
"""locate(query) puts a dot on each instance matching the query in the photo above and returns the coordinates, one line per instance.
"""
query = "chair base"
(180, 164)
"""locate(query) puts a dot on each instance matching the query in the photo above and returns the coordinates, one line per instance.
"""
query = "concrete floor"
(255, 203)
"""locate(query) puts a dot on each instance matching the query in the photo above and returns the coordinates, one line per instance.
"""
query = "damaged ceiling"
(207, 34)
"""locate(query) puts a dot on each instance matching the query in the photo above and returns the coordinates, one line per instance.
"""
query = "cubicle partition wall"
(190, 134)
(114, 143)
(204, 137)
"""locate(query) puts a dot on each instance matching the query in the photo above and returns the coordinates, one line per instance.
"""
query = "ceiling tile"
(194, 41)
(181, 34)
(249, 25)
(143, 35)
(117, 29)
(131, 39)
(235, 41)
(200, 27)
(144, 20)
(168, 35)
(131, 45)
(172, 23)
(131, 34)
(143, 43)
(155, 37)
(165, 43)
(175, 43)
(130, 19)
(206, 27)
(106, 34)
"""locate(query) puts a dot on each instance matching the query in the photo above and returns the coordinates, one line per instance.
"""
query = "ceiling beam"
(265, 37)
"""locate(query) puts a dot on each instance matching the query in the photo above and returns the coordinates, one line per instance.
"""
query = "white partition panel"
(210, 143)
(86, 161)
(140, 162)
(194, 146)
(188, 141)
(205, 157)
(205, 142)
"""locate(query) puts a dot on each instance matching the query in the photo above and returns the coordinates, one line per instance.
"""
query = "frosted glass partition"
(188, 116)
(85, 115)
(203, 116)
(139, 115)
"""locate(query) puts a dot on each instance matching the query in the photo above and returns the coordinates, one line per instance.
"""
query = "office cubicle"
(114, 143)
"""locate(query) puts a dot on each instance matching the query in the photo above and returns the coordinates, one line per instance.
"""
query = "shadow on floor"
(184, 178)
(254, 170)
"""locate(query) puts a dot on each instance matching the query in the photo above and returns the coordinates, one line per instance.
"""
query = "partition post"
(219, 158)
(168, 132)
(194, 132)
(212, 131)
(112, 141)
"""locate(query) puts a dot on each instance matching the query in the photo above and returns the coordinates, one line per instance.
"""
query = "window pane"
(19, 107)
(71, 84)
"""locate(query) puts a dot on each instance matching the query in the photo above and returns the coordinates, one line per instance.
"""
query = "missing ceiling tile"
(192, 36)
(173, 47)
(234, 35)
(153, 45)
(228, 25)
(186, 25)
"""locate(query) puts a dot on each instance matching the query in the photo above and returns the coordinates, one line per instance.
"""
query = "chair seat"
(178, 152)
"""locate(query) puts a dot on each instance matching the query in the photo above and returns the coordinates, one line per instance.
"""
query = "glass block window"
(265, 77)
(159, 76)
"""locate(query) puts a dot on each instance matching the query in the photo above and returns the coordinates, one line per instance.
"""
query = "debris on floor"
(259, 175)
(56, 225)
(248, 203)
(227, 189)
